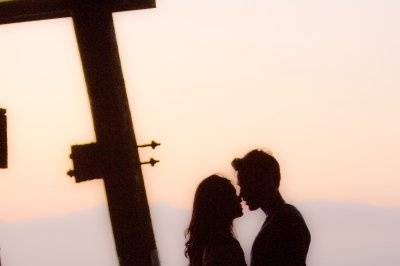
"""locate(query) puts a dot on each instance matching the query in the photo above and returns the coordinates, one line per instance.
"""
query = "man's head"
(258, 176)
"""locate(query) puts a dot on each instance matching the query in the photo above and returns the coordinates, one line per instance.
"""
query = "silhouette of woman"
(210, 237)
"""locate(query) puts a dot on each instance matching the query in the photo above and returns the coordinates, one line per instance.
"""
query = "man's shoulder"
(289, 214)
(288, 209)
(284, 240)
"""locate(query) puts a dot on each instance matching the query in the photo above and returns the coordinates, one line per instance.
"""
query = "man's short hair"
(258, 166)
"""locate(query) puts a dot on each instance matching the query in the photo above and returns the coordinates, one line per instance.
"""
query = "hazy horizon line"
(299, 204)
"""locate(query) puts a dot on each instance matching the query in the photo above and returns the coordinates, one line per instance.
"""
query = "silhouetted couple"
(283, 239)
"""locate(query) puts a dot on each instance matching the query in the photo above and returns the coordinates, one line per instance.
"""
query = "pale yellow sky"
(313, 81)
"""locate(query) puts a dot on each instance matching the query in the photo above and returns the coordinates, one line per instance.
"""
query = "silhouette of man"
(284, 238)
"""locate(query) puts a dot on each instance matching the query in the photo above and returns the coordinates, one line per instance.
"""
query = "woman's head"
(216, 201)
(214, 208)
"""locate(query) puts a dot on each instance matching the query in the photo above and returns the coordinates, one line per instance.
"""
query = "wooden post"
(124, 185)
(129, 211)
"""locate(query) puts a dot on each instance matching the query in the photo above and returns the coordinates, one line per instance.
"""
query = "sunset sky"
(315, 82)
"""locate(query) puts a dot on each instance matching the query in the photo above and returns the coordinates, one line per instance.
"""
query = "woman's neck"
(222, 230)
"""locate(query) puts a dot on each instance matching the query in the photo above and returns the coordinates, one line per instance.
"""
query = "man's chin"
(238, 215)
(253, 207)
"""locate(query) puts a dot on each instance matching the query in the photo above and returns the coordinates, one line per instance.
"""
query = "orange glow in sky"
(314, 83)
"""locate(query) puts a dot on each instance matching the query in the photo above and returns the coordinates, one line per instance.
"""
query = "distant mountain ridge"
(345, 234)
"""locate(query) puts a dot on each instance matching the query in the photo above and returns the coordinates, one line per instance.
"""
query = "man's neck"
(276, 202)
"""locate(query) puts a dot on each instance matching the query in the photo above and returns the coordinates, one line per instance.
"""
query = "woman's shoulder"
(228, 252)
(223, 239)
(229, 244)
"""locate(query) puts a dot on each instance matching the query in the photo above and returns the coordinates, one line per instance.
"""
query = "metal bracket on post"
(88, 161)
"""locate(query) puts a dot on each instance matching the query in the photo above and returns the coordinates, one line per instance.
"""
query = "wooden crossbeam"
(12, 11)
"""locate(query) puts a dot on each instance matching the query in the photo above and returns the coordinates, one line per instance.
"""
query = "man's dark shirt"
(283, 239)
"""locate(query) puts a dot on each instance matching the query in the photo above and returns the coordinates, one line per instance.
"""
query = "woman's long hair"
(212, 216)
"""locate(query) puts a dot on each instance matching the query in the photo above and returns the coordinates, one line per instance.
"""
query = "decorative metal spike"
(153, 145)
(152, 162)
